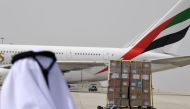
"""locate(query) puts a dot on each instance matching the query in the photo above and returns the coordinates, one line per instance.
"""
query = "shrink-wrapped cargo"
(130, 84)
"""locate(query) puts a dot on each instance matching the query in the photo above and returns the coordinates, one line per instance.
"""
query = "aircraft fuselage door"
(69, 54)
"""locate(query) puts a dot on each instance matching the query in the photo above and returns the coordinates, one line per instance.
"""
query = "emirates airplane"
(157, 45)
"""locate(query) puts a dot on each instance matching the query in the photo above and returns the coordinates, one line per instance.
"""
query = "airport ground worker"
(35, 82)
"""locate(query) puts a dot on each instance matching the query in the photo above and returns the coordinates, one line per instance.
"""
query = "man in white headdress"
(35, 82)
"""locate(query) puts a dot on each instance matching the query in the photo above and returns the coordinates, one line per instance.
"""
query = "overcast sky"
(100, 23)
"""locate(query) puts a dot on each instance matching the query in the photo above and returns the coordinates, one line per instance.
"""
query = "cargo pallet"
(137, 94)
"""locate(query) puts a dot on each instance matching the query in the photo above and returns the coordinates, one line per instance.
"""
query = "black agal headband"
(31, 54)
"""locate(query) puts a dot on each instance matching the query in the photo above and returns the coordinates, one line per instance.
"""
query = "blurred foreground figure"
(35, 82)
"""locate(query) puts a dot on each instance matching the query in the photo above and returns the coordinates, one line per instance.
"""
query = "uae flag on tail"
(171, 31)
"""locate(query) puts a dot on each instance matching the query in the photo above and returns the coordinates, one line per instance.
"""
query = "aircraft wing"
(70, 65)
(157, 65)
(169, 63)
(78, 65)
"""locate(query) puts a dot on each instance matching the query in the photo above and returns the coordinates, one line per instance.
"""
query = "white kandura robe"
(25, 87)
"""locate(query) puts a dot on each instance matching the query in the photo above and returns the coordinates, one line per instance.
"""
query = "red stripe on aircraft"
(143, 44)
(146, 41)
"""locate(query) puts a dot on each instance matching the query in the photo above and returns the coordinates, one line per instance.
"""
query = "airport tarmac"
(161, 101)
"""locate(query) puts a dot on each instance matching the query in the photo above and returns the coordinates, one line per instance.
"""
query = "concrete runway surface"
(161, 101)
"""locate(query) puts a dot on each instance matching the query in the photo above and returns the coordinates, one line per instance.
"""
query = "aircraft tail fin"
(166, 35)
